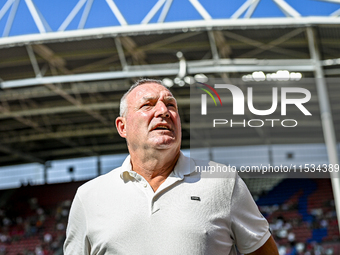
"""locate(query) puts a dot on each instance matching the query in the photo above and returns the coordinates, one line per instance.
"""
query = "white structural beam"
(336, 13)
(213, 46)
(242, 9)
(85, 14)
(326, 117)
(35, 16)
(121, 54)
(60, 109)
(11, 18)
(72, 14)
(203, 12)
(251, 9)
(287, 9)
(165, 27)
(116, 12)
(153, 11)
(46, 25)
(193, 67)
(330, 1)
(165, 11)
(5, 8)
(33, 60)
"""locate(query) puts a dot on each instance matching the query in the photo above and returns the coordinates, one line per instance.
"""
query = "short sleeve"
(76, 238)
(249, 228)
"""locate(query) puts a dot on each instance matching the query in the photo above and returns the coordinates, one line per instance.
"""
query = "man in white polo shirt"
(156, 203)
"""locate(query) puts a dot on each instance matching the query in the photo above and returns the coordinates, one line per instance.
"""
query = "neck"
(155, 167)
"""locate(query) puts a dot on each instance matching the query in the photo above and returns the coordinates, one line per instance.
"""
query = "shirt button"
(145, 185)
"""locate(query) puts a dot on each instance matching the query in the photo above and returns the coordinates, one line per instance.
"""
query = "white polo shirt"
(119, 213)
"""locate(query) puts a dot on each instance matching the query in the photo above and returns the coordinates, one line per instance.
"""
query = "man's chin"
(163, 144)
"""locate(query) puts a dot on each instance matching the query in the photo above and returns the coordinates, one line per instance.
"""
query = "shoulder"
(100, 183)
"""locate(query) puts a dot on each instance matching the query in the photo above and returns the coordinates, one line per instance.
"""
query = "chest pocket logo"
(196, 198)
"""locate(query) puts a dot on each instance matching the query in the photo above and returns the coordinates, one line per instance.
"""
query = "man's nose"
(162, 110)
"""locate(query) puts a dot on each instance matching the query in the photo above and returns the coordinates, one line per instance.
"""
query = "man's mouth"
(161, 127)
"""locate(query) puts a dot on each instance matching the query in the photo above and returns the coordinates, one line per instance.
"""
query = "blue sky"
(55, 12)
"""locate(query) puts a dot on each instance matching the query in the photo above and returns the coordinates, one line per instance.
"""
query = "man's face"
(152, 120)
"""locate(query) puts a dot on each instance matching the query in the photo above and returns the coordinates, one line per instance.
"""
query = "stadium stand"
(301, 214)
(34, 218)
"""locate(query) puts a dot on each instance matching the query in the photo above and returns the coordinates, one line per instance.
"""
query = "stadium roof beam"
(242, 9)
(40, 129)
(287, 9)
(121, 54)
(71, 15)
(213, 46)
(251, 9)
(167, 3)
(138, 55)
(206, 66)
(35, 15)
(337, 12)
(272, 47)
(326, 116)
(248, 7)
(85, 130)
(85, 14)
(77, 103)
(330, 1)
(38, 19)
(11, 16)
(153, 11)
(200, 9)
(167, 41)
(70, 108)
(83, 88)
(33, 61)
(278, 41)
(48, 55)
(58, 62)
(25, 156)
(6, 7)
(165, 11)
(73, 108)
(222, 44)
(116, 12)
(164, 27)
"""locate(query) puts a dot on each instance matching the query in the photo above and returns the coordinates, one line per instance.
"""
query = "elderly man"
(156, 203)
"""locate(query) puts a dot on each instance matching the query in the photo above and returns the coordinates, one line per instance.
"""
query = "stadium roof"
(61, 87)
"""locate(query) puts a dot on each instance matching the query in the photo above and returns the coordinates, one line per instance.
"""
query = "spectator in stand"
(47, 237)
(3, 249)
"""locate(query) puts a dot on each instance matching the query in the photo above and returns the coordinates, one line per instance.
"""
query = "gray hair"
(123, 103)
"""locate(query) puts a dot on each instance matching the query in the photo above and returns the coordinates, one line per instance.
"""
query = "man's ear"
(121, 126)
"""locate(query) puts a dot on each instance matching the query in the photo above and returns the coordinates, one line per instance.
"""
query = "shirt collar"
(184, 166)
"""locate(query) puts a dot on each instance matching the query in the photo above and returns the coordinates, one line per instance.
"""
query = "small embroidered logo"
(196, 198)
